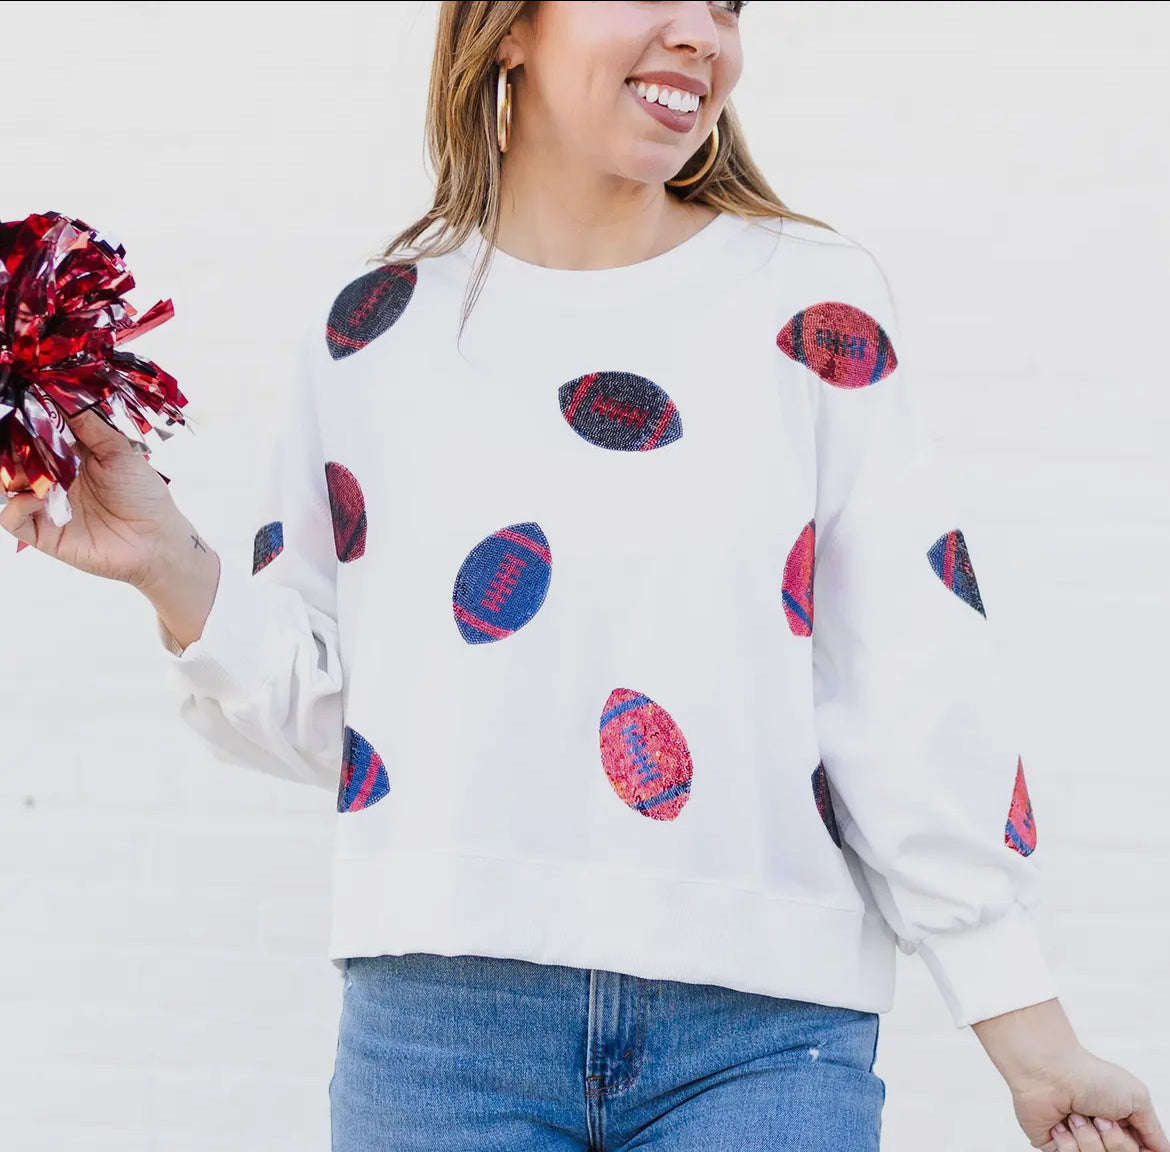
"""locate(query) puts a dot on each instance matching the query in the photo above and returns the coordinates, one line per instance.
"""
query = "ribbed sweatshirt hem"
(583, 915)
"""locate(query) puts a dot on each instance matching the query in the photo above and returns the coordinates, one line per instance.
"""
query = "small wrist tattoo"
(197, 542)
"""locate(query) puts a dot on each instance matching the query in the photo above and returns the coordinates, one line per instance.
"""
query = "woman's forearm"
(1027, 1040)
(182, 583)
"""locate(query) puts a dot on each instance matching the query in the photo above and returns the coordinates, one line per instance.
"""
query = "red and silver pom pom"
(62, 322)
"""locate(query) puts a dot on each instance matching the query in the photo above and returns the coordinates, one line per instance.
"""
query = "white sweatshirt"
(634, 630)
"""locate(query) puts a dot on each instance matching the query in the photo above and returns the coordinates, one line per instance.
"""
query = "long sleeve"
(915, 737)
(263, 683)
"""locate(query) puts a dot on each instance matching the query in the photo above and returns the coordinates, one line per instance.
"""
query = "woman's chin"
(652, 171)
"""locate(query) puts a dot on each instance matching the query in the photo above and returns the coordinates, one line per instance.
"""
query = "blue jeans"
(482, 1054)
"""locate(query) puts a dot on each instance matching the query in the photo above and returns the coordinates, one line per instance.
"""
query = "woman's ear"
(513, 46)
(509, 53)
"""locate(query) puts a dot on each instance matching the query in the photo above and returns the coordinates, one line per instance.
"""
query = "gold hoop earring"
(711, 153)
(503, 108)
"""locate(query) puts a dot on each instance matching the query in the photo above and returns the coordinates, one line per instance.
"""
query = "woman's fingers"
(18, 516)
(1082, 1134)
(1115, 1138)
(94, 434)
(1085, 1133)
(1144, 1124)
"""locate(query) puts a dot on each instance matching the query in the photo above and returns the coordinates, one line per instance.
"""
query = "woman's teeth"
(668, 97)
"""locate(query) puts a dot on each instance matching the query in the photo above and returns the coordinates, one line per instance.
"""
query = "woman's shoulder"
(788, 239)
(804, 231)
(367, 297)
(808, 258)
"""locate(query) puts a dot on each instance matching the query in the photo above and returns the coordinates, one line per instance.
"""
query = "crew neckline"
(538, 284)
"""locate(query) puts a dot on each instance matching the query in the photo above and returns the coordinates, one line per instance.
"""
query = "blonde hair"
(466, 160)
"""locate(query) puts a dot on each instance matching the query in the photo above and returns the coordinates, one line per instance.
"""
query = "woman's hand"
(1081, 1103)
(1067, 1099)
(123, 513)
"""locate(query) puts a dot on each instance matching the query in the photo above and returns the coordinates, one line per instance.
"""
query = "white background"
(163, 980)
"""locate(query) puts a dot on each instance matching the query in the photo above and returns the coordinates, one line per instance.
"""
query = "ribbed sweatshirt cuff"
(990, 969)
(235, 650)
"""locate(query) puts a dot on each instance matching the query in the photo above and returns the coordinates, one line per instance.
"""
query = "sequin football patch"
(843, 345)
(798, 581)
(951, 562)
(347, 509)
(824, 803)
(1020, 831)
(363, 775)
(620, 411)
(502, 583)
(645, 755)
(268, 544)
(367, 307)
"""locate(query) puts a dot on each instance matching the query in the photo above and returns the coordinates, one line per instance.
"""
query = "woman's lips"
(678, 121)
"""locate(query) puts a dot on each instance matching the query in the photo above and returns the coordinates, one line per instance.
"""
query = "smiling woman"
(611, 588)
(549, 87)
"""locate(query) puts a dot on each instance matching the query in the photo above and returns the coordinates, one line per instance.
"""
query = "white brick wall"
(162, 977)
